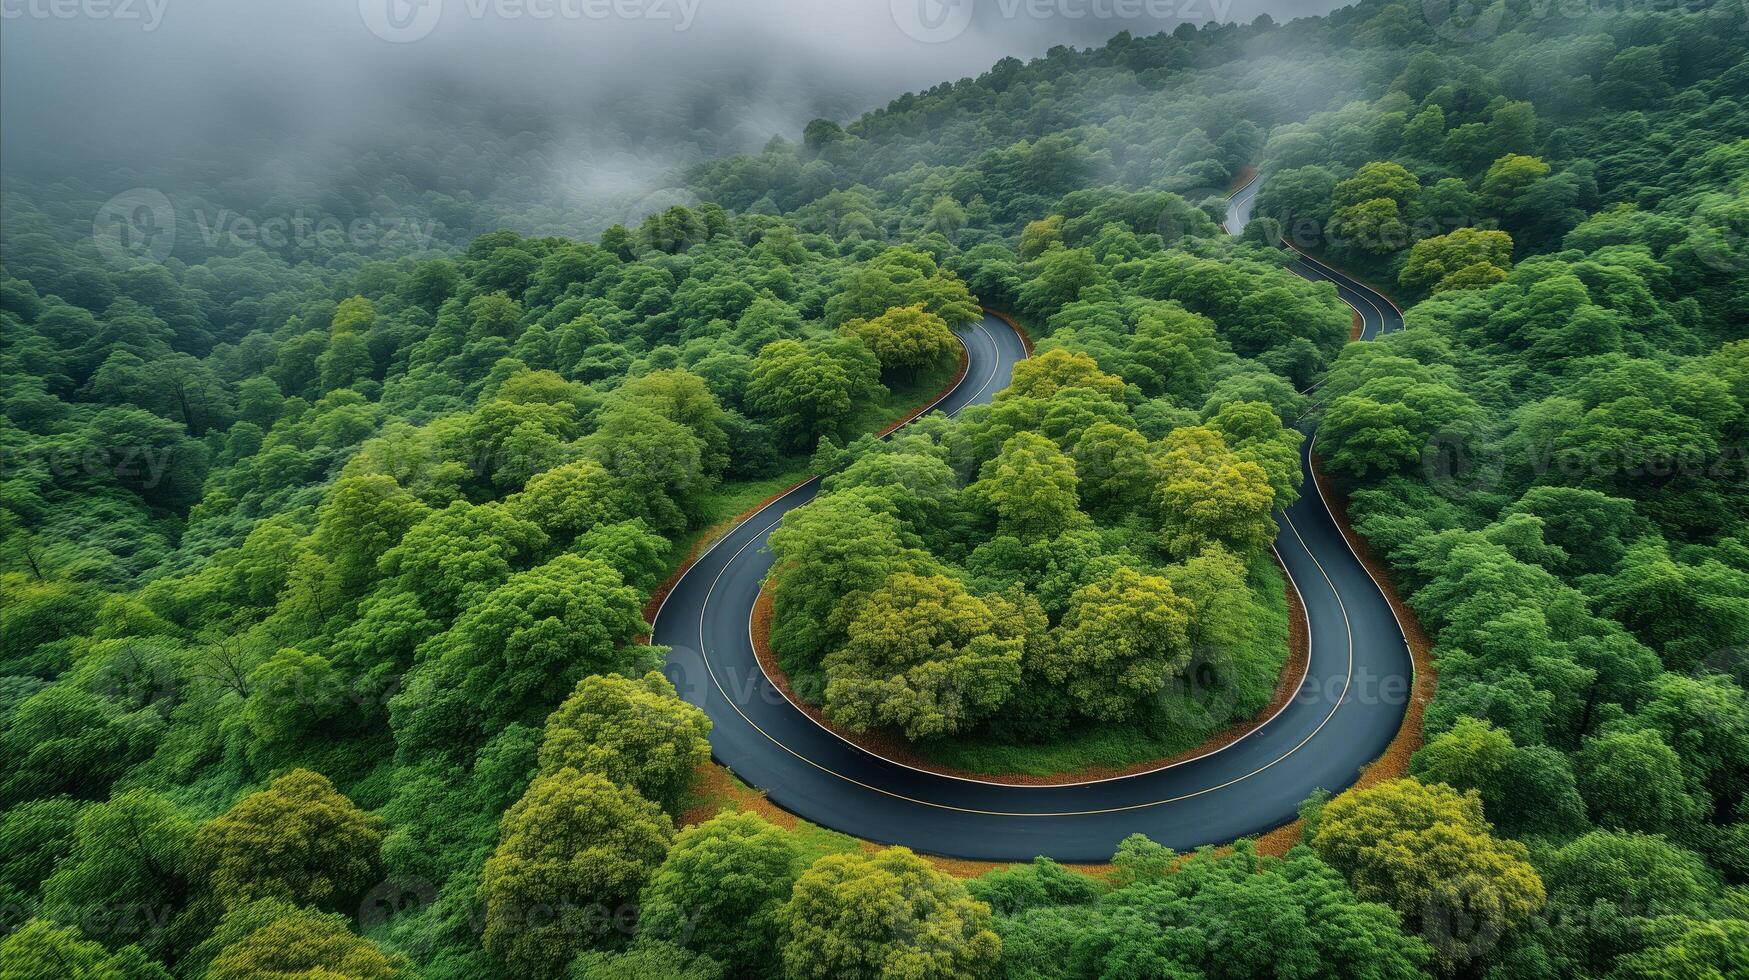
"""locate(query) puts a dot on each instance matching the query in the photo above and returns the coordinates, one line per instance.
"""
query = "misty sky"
(112, 83)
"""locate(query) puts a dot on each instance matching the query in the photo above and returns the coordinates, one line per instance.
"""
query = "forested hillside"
(325, 565)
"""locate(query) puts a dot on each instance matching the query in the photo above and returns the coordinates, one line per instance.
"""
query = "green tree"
(901, 277)
(524, 645)
(1428, 852)
(905, 339)
(835, 545)
(636, 732)
(1705, 950)
(455, 555)
(292, 694)
(39, 949)
(1030, 486)
(1120, 640)
(656, 467)
(927, 657)
(1113, 470)
(1238, 915)
(1632, 780)
(1056, 279)
(721, 892)
(298, 840)
(361, 518)
(812, 389)
(1299, 198)
(1526, 790)
(1643, 873)
(65, 740)
(887, 914)
(572, 855)
(1705, 720)
(34, 837)
(1390, 422)
(128, 870)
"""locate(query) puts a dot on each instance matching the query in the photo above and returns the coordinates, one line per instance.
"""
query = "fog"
(615, 92)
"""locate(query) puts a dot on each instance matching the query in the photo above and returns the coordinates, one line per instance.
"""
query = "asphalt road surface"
(1357, 684)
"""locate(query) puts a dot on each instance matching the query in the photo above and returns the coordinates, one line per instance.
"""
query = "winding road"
(1358, 681)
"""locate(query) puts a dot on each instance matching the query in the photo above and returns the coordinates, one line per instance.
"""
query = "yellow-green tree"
(1053, 370)
(1208, 493)
(573, 854)
(298, 840)
(886, 915)
(636, 732)
(277, 939)
(1040, 235)
(1371, 208)
(905, 339)
(1429, 852)
(927, 657)
(1031, 487)
(1122, 637)
(1467, 258)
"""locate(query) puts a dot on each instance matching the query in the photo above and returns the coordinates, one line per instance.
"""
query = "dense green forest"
(324, 567)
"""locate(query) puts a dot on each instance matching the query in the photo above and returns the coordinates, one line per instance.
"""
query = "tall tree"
(887, 914)
(636, 732)
(572, 855)
(721, 891)
(298, 840)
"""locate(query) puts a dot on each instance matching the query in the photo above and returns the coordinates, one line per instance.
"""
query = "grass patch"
(1190, 719)
(717, 789)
